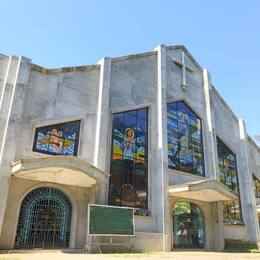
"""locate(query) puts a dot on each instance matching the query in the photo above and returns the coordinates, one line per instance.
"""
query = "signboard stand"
(108, 223)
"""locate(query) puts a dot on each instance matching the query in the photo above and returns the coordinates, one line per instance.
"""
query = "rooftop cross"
(184, 67)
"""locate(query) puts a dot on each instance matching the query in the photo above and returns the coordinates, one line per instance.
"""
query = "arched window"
(185, 148)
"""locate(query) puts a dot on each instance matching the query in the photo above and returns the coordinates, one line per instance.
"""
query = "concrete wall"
(19, 188)
(232, 132)
(60, 97)
(32, 96)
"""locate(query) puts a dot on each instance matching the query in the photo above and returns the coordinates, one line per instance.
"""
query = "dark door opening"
(188, 226)
(44, 220)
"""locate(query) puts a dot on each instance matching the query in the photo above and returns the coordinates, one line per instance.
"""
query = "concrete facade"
(33, 96)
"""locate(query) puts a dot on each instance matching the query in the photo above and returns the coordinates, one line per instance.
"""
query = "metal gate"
(188, 226)
(44, 220)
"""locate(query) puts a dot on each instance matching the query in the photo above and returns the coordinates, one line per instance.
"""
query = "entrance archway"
(188, 226)
(44, 220)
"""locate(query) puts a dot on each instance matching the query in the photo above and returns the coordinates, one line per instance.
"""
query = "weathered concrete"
(32, 96)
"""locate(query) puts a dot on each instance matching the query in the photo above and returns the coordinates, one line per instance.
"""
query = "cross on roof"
(184, 67)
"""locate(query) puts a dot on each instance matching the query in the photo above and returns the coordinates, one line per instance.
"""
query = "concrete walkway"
(68, 255)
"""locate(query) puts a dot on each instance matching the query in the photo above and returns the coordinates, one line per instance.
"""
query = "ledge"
(208, 190)
(67, 170)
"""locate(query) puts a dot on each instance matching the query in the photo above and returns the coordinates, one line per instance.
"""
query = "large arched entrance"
(188, 226)
(44, 220)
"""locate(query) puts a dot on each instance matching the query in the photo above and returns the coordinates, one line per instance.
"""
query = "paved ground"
(56, 255)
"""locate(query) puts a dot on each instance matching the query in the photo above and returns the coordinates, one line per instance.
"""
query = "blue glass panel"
(183, 129)
(172, 108)
(183, 118)
(172, 138)
(172, 125)
(42, 141)
(141, 126)
(181, 106)
(185, 155)
(184, 139)
(118, 124)
(142, 113)
(130, 121)
(68, 147)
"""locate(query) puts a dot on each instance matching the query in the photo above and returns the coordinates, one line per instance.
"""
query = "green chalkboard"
(107, 221)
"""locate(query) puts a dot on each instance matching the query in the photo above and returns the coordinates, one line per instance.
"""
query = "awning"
(67, 170)
(206, 190)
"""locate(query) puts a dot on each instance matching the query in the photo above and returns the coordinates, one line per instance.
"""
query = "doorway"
(188, 226)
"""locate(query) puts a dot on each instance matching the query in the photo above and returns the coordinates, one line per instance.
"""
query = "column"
(211, 162)
(102, 135)
(11, 109)
(160, 159)
(247, 197)
(210, 146)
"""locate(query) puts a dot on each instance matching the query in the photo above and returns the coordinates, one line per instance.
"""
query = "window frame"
(202, 149)
(231, 221)
(256, 192)
(56, 123)
(142, 211)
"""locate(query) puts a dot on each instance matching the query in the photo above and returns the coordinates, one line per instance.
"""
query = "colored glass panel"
(57, 139)
(228, 176)
(256, 183)
(128, 181)
(185, 148)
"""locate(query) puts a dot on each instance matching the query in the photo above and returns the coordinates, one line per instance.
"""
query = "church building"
(147, 131)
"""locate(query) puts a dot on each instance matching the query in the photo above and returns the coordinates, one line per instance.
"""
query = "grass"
(242, 250)
(254, 250)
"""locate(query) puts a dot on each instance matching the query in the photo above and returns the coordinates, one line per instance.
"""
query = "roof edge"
(64, 69)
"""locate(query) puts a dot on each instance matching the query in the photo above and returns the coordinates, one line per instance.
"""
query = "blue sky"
(224, 36)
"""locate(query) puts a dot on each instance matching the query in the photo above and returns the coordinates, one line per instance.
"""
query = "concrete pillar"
(11, 109)
(217, 226)
(247, 196)
(102, 137)
(210, 147)
(160, 157)
(211, 161)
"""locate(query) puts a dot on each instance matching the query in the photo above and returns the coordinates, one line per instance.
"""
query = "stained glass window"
(228, 176)
(57, 139)
(256, 183)
(128, 181)
(185, 148)
(231, 212)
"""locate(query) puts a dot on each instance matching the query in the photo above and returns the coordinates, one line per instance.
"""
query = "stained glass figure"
(128, 181)
(57, 139)
(185, 148)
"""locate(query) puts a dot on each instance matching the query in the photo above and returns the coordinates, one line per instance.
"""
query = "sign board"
(106, 220)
